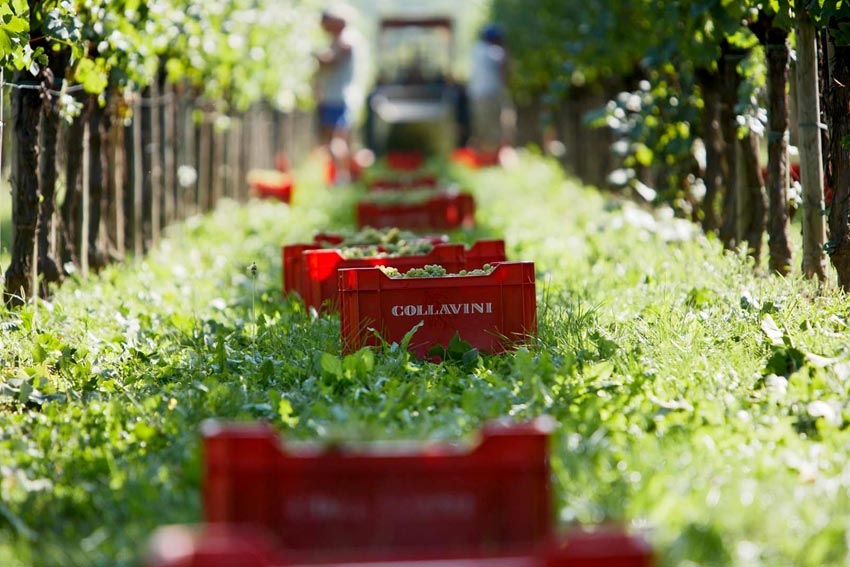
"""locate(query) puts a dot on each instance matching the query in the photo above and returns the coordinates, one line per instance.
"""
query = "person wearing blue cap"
(487, 90)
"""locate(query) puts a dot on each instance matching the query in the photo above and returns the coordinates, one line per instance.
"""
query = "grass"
(696, 401)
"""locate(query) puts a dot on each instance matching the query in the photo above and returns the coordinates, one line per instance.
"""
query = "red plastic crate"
(405, 161)
(399, 505)
(271, 184)
(443, 211)
(334, 238)
(399, 499)
(295, 277)
(490, 312)
(294, 267)
(473, 159)
(321, 281)
(322, 269)
(607, 547)
(485, 252)
(328, 238)
(226, 545)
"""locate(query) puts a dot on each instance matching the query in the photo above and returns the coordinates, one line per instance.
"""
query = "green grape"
(434, 271)
(374, 243)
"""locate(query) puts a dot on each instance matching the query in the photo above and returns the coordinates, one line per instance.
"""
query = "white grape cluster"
(434, 271)
(373, 243)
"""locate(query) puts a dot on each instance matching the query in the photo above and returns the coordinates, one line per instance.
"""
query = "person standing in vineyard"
(487, 91)
(336, 91)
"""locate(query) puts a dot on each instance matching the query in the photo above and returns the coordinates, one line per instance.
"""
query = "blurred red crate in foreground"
(443, 211)
(321, 281)
(391, 504)
(386, 498)
(228, 545)
(491, 312)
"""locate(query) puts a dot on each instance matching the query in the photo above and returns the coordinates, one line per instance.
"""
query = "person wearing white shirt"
(336, 89)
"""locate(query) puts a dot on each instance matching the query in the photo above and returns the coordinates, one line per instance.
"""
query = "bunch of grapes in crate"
(313, 270)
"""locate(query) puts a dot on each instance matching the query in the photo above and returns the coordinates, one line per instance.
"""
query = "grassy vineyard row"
(694, 399)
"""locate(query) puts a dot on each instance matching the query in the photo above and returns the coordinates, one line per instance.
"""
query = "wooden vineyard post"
(259, 139)
(84, 223)
(168, 158)
(244, 165)
(189, 190)
(268, 133)
(811, 159)
(120, 168)
(251, 139)
(156, 162)
(181, 156)
(234, 138)
(204, 185)
(218, 165)
(291, 141)
(289, 134)
(138, 180)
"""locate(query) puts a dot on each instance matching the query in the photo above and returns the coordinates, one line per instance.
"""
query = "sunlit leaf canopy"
(236, 51)
(652, 52)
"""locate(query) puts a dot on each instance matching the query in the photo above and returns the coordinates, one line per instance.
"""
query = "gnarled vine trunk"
(712, 137)
(730, 81)
(98, 168)
(26, 110)
(71, 205)
(838, 115)
(50, 122)
(751, 206)
(777, 149)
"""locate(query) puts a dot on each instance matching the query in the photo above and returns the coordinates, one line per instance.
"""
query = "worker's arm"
(339, 50)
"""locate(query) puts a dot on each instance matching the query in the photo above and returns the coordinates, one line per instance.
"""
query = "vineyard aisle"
(694, 399)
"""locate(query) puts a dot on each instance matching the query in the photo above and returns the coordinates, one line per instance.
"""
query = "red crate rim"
(538, 426)
(350, 275)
